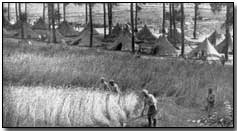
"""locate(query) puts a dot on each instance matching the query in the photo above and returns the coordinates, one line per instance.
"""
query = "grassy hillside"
(44, 78)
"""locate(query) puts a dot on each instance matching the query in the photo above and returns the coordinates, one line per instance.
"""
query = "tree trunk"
(132, 26)
(170, 15)
(52, 19)
(64, 12)
(174, 25)
(163, 24)
(136, 18)
(49, 23)
(8, 11)
(110, 17)
(44, 12)
(21, 22)
(58, 6)
(26, 11)
(16, 12)
(86, 14)
(195, 21)
(227, 34)
(91, 25)
(104, 6)
(182, 29)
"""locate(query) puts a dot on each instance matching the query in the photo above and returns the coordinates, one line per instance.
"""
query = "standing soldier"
(210, 101)
(104, 85)
(150, 102)
(114, 87)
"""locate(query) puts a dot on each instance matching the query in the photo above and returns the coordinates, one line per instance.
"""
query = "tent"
(123, 42)
(40, 25)
(222, 46)
(28, 32)
(84, 38)
(45, 34)
(116, 30)
(7, 33)
(145, 34)
(213, 37)
(178, 36)
(164, 48)
(67, 30)
(205, 51)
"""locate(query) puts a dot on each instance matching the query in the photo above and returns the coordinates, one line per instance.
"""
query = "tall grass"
(73, 67)
(45, 106)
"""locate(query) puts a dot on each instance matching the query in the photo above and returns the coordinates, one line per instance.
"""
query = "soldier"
(210, 101)
(103, 84)
(150, 102)
(114, 87)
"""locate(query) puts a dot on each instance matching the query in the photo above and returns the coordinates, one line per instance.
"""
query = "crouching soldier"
(103, 85)
(210, 102)
(114, 87)
(150, 102)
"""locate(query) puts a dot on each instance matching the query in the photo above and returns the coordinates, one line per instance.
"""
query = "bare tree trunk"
(52, 21)
(174, 25)
(21, 22)
(136, 18)
(86, 14)
(91, 25)
(26, 11)
(132, 25)
(227, 34)
(163, 24)
(110, 18)
(49, 23)
(182, 28)
(16, 12)
(44, 12)
(170, 15)
(64, 12)
(104, 6)
(195, 21)
(58, 6)
(8, 11)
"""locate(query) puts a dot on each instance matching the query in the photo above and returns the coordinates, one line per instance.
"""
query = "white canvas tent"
(205, 51)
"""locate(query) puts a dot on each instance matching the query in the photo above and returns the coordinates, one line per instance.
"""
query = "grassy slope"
(58, 65)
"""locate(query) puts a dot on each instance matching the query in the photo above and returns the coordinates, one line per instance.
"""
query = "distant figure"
(114, 87)
(150, 102)
(104, 85)
(210, 101)
(223, 60)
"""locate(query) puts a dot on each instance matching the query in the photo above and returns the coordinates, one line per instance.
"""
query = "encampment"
(123, 42)
(164, 48)
(67, 30)
(205, 51)
(145, 34)
(221, 48)
(84, 38)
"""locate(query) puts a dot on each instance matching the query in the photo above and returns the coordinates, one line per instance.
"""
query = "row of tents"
(121, 39)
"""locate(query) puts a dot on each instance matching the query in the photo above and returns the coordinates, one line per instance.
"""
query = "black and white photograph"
(140, 65)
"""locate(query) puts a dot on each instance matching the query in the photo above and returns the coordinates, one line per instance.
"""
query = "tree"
(163, 24)
(228, 23)
(132, 25)
(8, 11)
(52, 22)
(58, 6)
(110, 17)
(136, 10)
(195, 20)
(182, 29)
(26, 10)
(16, 12)
(91, 24)
(86, 15)
(170, 16)
(21, 22)
(174, 25)
(64, 11)
(104, 7)
(44, 12)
